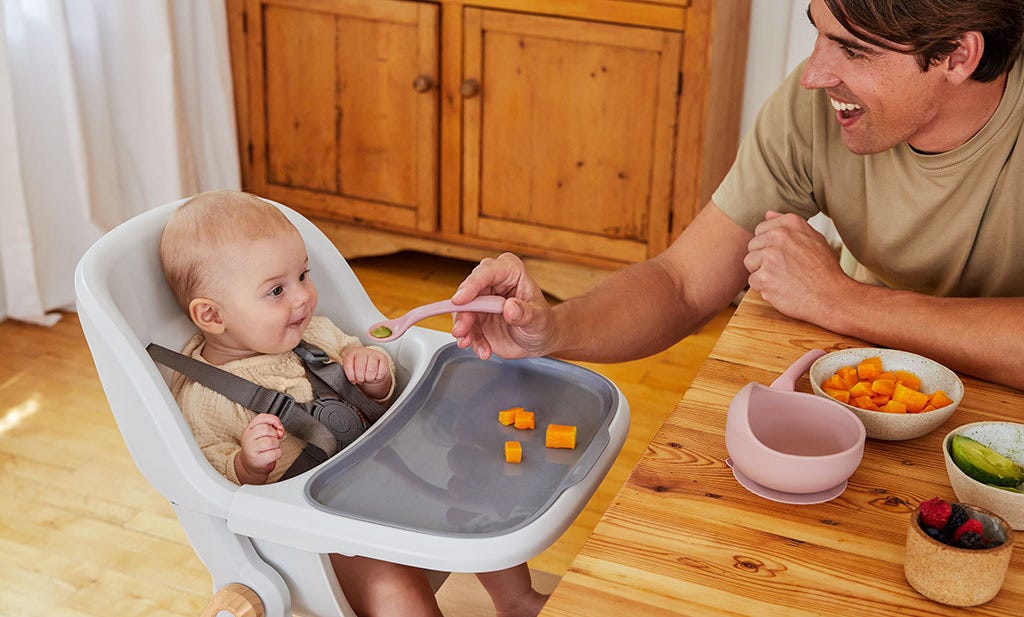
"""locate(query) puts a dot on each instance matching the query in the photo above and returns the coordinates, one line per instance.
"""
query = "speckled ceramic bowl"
(953, 575)
(893, 426)
(1006, 438)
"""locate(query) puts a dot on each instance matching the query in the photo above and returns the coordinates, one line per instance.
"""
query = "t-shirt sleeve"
(772, 170)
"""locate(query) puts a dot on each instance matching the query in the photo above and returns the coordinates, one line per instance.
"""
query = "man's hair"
(203, 225)
(932, 28)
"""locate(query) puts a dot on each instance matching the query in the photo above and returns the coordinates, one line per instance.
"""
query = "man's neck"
(969, 107)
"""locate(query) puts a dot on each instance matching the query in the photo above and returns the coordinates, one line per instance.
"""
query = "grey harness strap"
(329, 381)
(327, 424)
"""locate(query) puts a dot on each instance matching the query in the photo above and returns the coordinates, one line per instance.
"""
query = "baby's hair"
(201, 226)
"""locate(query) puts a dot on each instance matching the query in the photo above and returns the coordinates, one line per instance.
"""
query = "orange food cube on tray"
(508, 416)
(524, 419)
(513, 452)
(560, 436)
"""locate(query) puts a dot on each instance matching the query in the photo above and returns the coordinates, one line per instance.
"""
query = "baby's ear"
(206, 315)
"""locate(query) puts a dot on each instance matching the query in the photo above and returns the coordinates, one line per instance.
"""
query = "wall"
(780, 38)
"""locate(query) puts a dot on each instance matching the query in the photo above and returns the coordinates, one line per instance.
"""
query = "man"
(902, 127)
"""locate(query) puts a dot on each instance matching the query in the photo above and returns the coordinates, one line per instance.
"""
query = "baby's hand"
(369, 369)
(261, 447)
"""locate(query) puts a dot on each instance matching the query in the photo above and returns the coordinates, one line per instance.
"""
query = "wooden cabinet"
(585, 131)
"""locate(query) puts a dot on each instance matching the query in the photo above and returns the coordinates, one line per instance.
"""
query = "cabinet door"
(568, 142)
(343, 108)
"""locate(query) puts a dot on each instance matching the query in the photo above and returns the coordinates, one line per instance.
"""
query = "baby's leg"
(512, 592)
(382, 589)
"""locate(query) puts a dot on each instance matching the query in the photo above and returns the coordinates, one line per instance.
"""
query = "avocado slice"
(983, 463)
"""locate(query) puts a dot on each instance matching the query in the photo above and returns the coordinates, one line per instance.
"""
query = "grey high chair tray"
(435, 463)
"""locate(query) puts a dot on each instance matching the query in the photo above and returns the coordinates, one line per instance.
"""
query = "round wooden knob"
(423, 83)
(236, 599)
(470, 88)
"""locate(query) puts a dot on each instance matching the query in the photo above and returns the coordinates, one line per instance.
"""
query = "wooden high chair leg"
(236, 599)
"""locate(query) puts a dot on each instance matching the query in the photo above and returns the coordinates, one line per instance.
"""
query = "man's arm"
(635, 312)
(796, 272)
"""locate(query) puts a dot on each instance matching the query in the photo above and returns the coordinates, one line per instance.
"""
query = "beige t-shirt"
(218, 423)
(949, 224)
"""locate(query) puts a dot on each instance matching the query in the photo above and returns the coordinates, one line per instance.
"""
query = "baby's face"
(267, 296)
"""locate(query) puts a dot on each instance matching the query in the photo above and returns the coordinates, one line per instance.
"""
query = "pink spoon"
(390, 329)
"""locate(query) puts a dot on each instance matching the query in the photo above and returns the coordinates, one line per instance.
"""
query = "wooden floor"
(83, 534)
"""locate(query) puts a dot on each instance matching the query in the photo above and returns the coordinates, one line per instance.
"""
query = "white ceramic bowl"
(1006, 438)
(894, 426)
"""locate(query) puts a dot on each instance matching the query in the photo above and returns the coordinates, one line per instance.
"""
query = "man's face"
(880, 97)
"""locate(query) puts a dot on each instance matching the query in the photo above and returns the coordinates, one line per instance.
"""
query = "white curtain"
(781, 37)
(107, 108)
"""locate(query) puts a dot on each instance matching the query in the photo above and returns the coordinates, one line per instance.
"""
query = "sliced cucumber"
(983, 463)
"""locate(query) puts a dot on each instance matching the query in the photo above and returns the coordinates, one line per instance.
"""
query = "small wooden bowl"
(958, 576)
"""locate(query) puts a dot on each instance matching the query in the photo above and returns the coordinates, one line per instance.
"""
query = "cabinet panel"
(349, 108)
(571, 135)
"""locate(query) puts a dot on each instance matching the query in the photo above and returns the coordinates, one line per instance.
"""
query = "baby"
(239, 269)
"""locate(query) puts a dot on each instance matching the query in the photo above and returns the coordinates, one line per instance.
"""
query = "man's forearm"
(983, 337)
(636, 312)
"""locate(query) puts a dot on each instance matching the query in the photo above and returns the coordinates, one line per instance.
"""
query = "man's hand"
(793, 267)
(526, 326)
(261, 449)
(370, 369)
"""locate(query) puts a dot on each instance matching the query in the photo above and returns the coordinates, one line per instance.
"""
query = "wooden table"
(682, 537)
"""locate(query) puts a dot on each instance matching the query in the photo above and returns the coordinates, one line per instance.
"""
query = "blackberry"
(934, 533)
(971, 539)
(957, 517)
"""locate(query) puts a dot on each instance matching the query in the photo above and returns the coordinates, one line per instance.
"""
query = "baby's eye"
(277, 291)
(304, 275)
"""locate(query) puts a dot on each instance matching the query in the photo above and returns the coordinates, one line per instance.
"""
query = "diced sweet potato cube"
(929, 407)
(939, 399)
(883, 386)
(508, 416)
(513, 452)
(908, 379)
(524, 419)
(869, 368)
(887, 375)
(843, 396)
(861, 388)
(865, 402)
(880, 399)
(914, 400)
(849, 376)
(835, 382)
(560, 436)
(893, 407)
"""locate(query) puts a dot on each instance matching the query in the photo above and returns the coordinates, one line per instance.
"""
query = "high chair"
(425, 486)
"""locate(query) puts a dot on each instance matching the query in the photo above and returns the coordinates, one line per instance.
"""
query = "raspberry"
(935, 513)
(958, 516)
(971, 526)
(971, 539)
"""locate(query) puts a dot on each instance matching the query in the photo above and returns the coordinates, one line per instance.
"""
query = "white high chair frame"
(268, 538)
